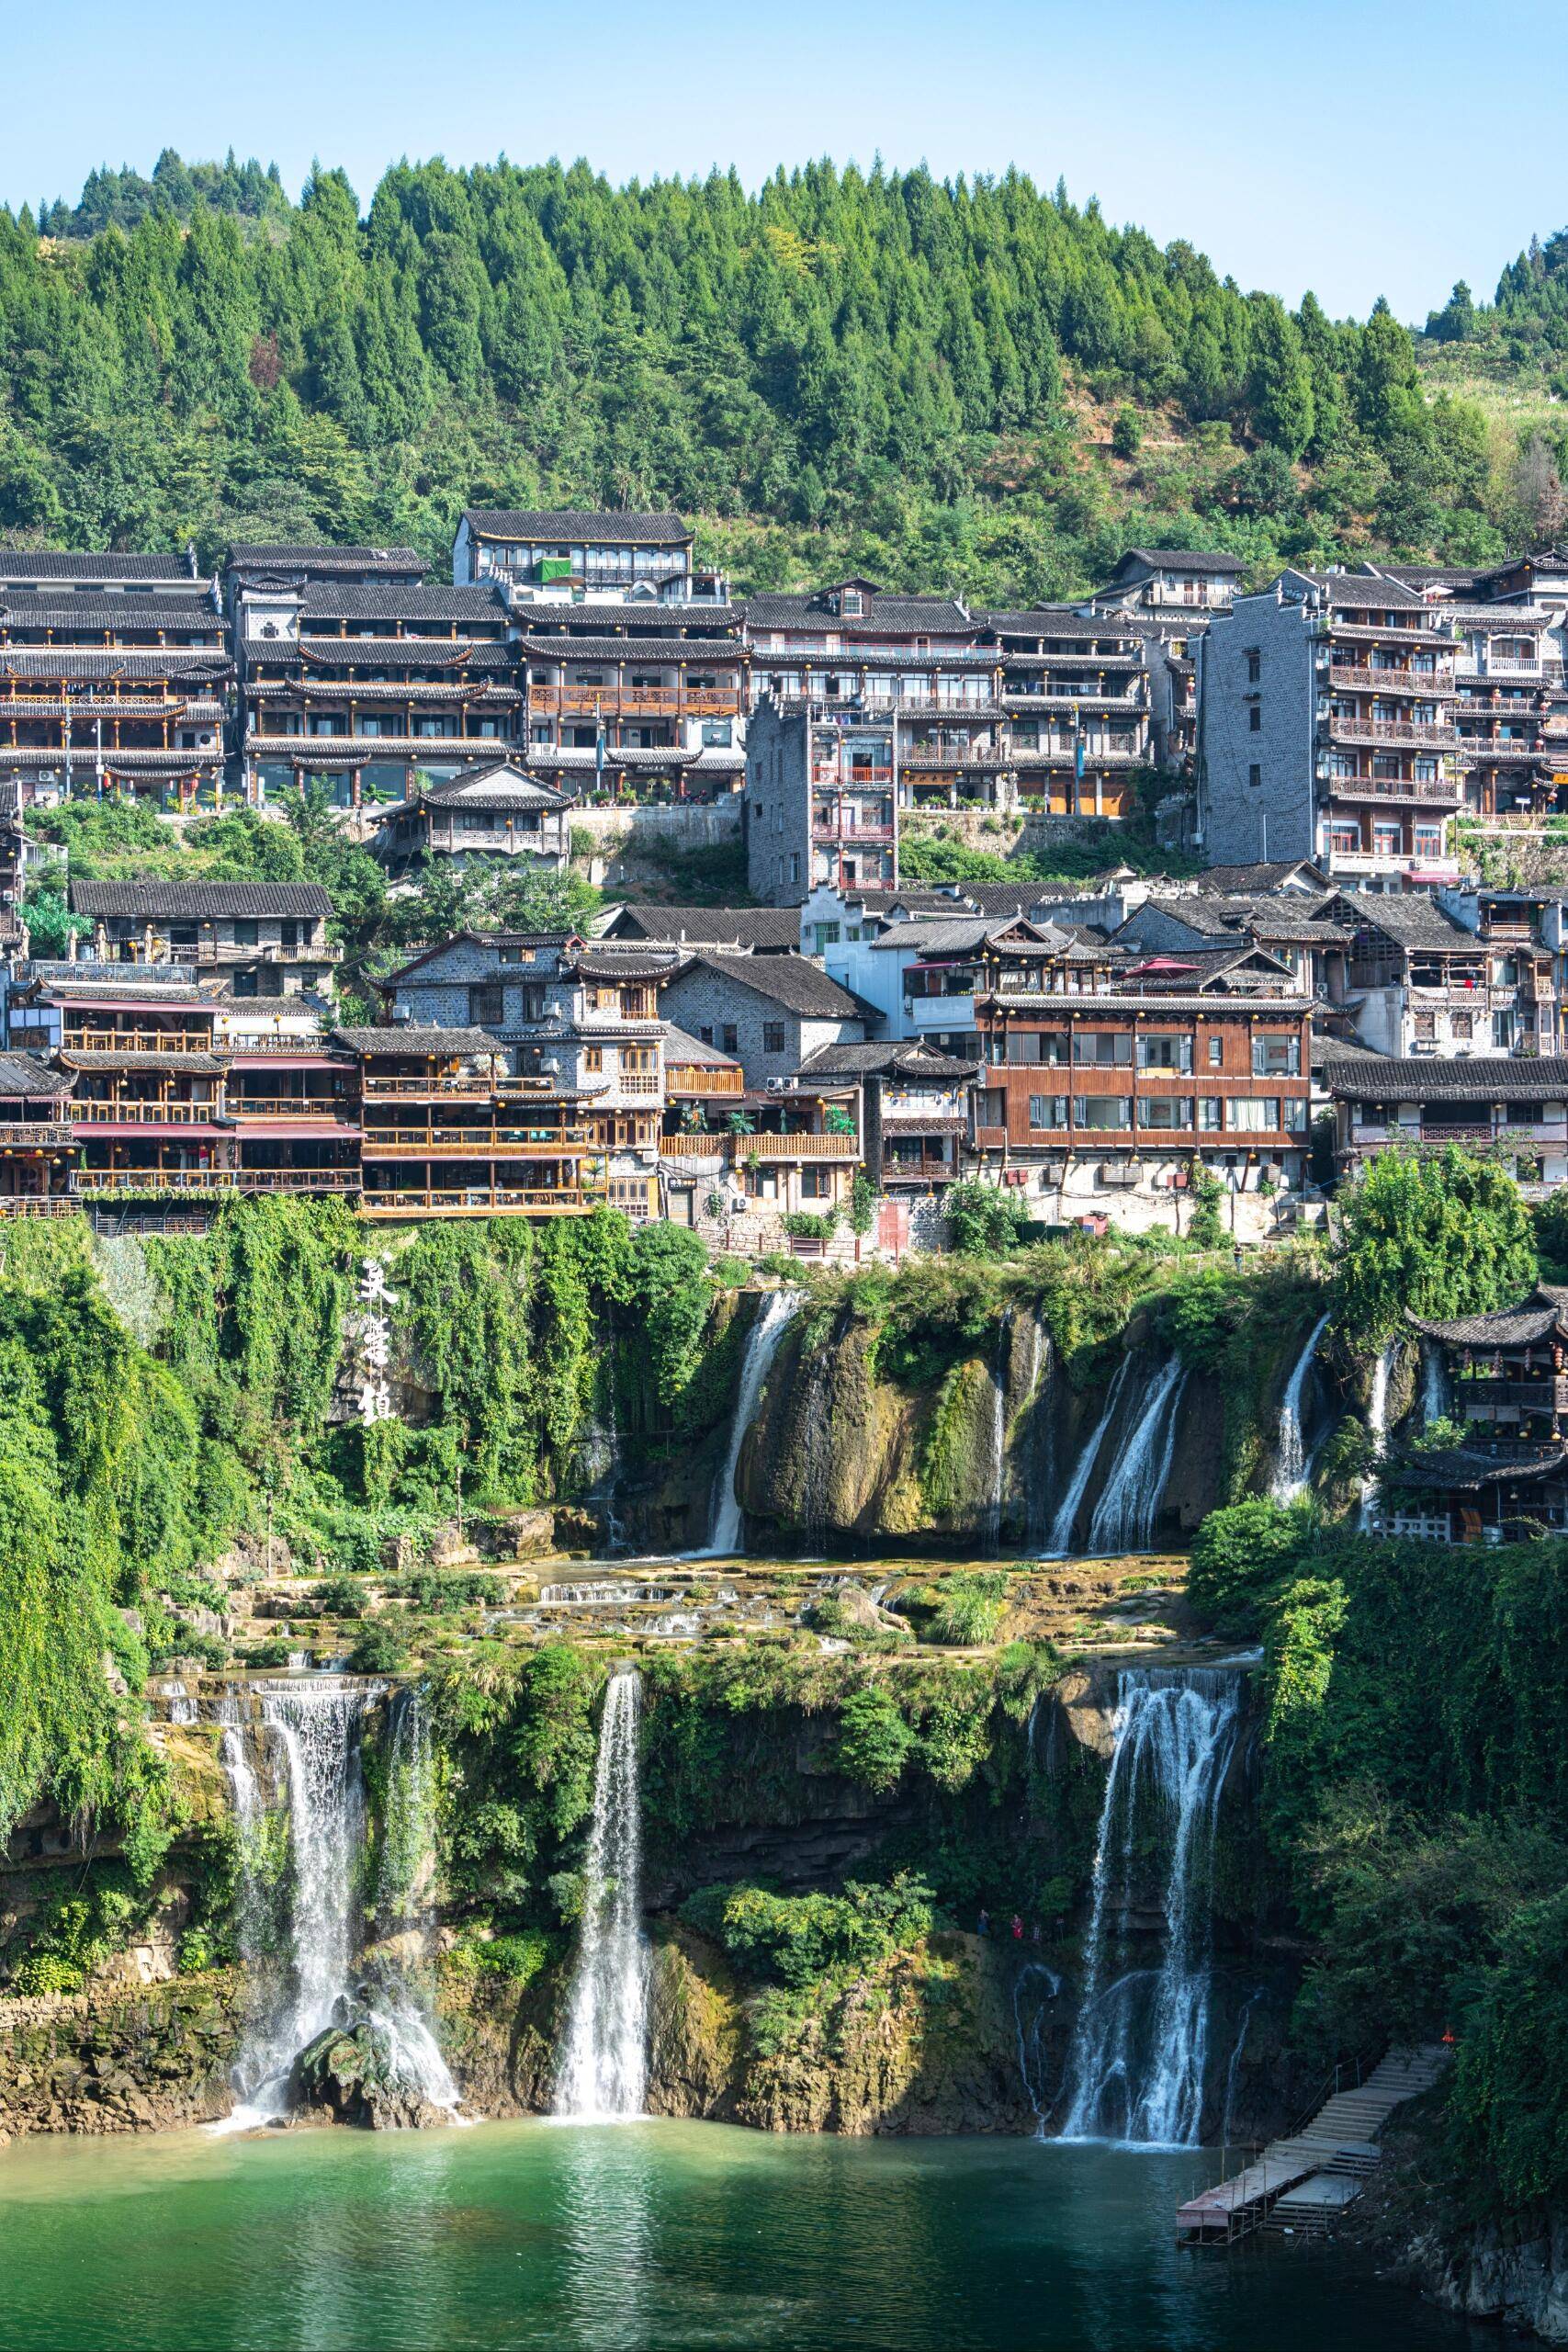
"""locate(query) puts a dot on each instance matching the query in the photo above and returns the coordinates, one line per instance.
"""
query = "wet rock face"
(349, 2075)
(119, 2059)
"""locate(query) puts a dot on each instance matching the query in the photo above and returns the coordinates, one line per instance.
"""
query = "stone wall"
(120, 2058)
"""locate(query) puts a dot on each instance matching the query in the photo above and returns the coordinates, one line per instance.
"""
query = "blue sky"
(1356, 149)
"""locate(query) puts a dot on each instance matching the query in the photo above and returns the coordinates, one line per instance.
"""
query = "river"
(651, 2237)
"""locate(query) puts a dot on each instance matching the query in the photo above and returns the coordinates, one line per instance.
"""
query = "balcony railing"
(611, 702)
(1395, 681)
(480, 1143)
(850, 833)
(1477, 1394)
(293, 1106)
(36, 1135)
(138, 1041)
(43, 1204)
(1392, 788)
(479, 1201)
(1422, 733)
(218, 1179)
(138, 1111)
(739, 1149)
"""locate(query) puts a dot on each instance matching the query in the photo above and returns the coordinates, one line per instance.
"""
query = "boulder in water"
(351, 2073)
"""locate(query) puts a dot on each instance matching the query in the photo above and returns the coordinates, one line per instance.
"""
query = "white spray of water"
(1140, 2046)
(1377, 1426)
(1125, 1514)
(1434, 1383)
(603, 2072)
(726, 1520)
(1060, 1541)
(1290, 1462)
(1233, 2069)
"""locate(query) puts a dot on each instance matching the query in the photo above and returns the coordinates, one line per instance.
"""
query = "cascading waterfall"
(400, 2007)
(1235, 2067)
(1290, 1462)
(1034, 1988)
(1434, 1383)
(992, 1523)
(310, 1736)
(1140, 2046)
(1377, 1426)
(725, 1520)
(1061, 1537)
(603, 2072)
(1125, 1514)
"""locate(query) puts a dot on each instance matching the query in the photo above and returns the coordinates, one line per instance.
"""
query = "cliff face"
(118, 2058)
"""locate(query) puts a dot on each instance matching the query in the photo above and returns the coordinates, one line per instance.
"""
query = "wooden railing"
(722, 1144)
(218, 1179)
(1395, 681)
(476, 1200)
(138, 1041)
(293, 1106)
(37, 1135)
(1422, 733)
(46, 1204)
(138, 1111)
(480, 1143)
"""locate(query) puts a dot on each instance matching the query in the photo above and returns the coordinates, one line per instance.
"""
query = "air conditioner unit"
(778, 1085)
(401, 1012)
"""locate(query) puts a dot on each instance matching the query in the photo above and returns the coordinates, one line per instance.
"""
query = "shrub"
(875, 1742)
(969, 1606)
(1243, 1557)
(1207, 1230)
(380, 1649)
(983, 1220)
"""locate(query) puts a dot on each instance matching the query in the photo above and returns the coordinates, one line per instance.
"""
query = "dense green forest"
(966, 383)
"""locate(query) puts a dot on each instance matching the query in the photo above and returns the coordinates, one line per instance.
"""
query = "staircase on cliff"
(1305, 2181)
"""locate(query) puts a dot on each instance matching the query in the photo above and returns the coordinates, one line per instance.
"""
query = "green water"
(651, 2237)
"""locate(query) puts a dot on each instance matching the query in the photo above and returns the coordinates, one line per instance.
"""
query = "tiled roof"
(201, 665)
(200, 902)
(965, 934)
(26, 1074)
(887, 1057)
(408, 1037)
(1408, 917)
(789, 980)
(288, 555)
(54, 564)
(542, 617)
(681, 1046)
(386, 600)
(764, 928)
(175, 1065)
(501, 784)
(617, 649)
(109, 615)
(918, 616)
(1544, 1311)
(1182, 559)
(574, 524)
(1258, 879)
(1466, 1468)
(1482, 1077)
(1055, 620)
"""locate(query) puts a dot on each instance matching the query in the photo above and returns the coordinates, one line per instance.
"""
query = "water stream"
(1377, 1430)
(1434, 1383)
(1290, 1462)
(1139, 2054)
(726, 1522)
(1061, 1537)
(991, 1523)
(603, 2072)
(1125, 1515)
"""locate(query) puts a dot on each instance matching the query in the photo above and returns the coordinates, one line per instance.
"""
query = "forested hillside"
(968, 383)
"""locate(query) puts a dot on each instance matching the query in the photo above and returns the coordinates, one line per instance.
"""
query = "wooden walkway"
(1305, 2180)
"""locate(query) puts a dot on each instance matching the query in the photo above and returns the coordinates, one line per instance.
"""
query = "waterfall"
(1128, 1507)
(725, 1521)
(1037, 1482)
(604, 2066)
(300, 1846)
(1140, 2046)
(992, 1523)
(1434, 1383)
(1231, 2071)
(1031, 2052)
(399, 2005)
(1061, 1538)
(1291, 1463)
(1377, 1425)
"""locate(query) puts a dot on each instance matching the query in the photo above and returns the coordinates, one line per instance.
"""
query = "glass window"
(1102, 1109)
(1253, 1116)
(772, 1036)
(1209, 1113)
(1166, 1111)
(1276, 1056)
(1165, 1052)
(1103, 1048)
(1046, 1111)
(1295, 1111)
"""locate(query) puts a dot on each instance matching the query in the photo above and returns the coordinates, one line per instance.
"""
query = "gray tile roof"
(1182, 559)
(289, 556)
(1258, 879)
(26, 1074)
(408, 1037)
(575, 523)
(915, 616)
(680, 1045)
(887, 1057)
(769, 929)
(800, 986)
(106, 616)
(24, 565)
(388, 600)
(201, 901)
(1482, 1077)
(1408, 917)
(1543, 1312)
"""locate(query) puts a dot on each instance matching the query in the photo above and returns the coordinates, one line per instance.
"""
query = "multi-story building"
(372, 687)
(1294, 928)
(1326, 730)
(1077, 690)
(1505, 1383)
(636, 698)
(821, 808)
(1506, 1105)
(1422, 981)
(1171, 586)
(914, 1114)
(115, 688)
(582, 1015)
(771, 1012)
(36, 1138)
(494, 810)
(734, 1162)
(555, 553)
(761, 931)
(265, 938)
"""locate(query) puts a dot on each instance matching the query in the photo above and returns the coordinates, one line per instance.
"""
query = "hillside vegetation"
(966, 383)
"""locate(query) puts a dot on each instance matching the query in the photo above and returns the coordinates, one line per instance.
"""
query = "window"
(772, 1036)
(1503, 1031)
(1253, 1116)
(1425, 1028)
(247, 930)
(817, 1184)
(1102, 1109)
(1165, 1110)
(827, 935)
(1255, 776)
(592, 1059)
(1255, 719)
(991, 1108)
(1166, 1053)
(1276, 1056)
(1103, 1048)
(1295, 1111)
(486, 1006)
(1463, 1025)
(705, 1033)
(1254, 665)
(1216, 1053)
(730, 1038)
(1209, 1113)
(1047, 1111)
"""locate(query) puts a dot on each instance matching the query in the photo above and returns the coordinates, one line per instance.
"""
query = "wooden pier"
(1305, 2181)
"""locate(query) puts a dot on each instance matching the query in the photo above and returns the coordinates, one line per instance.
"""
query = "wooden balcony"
(1477, 1397)
(476, 1200)
(137, 1041)
(635, 702)
(1422, 734)
(477, 1142)
(42, 1204)
(137, 1111)
(218, 1179)
(36, 1135)
(1435, 789)
(1392, 682)
(293, 1106)
(721, 1143)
